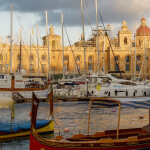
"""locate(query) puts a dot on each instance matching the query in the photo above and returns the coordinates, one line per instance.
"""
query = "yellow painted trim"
(48, 128)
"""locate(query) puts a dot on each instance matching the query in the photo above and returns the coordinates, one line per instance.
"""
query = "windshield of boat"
(1, 76)
(128, 83)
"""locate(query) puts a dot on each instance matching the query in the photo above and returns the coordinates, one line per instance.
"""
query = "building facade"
(126, 52)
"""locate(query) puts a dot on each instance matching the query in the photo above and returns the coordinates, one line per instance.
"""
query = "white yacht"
(15, 85)
(103, 86)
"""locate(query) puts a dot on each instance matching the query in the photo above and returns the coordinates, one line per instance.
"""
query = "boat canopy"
(6, 102)
(141, 102)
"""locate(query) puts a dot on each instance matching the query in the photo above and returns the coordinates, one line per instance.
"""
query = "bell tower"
(124, 36)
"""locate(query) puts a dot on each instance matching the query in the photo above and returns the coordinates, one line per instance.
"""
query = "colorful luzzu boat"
(120, 139)
(12, 130)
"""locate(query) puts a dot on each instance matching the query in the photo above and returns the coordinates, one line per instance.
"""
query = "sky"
(28, 13)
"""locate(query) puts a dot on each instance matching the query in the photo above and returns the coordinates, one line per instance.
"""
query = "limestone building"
(128, 51)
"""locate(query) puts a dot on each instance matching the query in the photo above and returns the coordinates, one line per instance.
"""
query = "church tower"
(54, 40)
(124, 36)
(143, 35)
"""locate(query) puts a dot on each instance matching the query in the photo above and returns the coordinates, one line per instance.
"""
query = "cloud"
(112, 11)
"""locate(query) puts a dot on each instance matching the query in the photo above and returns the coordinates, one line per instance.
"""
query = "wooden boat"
(120, 139)
(14, 85)
(11, 130)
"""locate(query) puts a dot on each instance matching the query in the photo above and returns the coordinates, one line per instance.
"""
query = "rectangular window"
(1, 68)
(137, 67)
(43, 68)
(90, 66)
(31, 68)
(116, 67)
(78, 68)
(127, 67)
(65, 67)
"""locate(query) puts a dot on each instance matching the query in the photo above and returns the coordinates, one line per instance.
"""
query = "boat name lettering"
(106, 92)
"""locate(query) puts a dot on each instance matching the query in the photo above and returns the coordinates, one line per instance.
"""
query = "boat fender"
(134, 93)
(66, 130)
(113, 111)
(108, 93)
(144, 93)
(126, 93)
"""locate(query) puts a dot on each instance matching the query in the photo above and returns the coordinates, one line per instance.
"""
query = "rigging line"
(39, 60)
(87, 15)
(24, 34)
(72, 50)
(43, 45)
(110, 44)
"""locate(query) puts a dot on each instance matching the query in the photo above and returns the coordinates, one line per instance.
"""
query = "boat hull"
(26, 93)
(48, 128)
(38, 143)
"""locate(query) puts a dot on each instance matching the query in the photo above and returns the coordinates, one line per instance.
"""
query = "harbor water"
(73, 115)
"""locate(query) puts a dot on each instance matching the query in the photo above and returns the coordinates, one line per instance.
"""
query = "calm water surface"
(74, 116)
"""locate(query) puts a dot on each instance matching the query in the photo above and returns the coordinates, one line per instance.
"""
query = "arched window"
(65, 58)
(138, 57)
(125, 40)
(31, 57)
(43, 57)
(53, 68)
(90, 58)
(1, 57)
(53, 44)
(138, 67)
(116, 58)
(43, 68)
(116, 67)
(31, 68)
(140, 42)
(78, 58)
(18, 57)
(127, 58)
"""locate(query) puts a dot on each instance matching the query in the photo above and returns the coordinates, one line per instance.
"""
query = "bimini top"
(140, 102)
(6, 102)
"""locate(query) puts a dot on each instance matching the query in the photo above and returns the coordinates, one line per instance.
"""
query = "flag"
(98, 87)
(32, 31)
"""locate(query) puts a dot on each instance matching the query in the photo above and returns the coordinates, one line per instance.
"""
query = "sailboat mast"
(135, 59)
(49, 69)
(63, 44)
(145, 49)
(83, 37)
(30, 59)
(97, 37)
(5, 55)
(37, 48)
(104, 55)
(11, 43)
(131, 59)
(20, 59)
